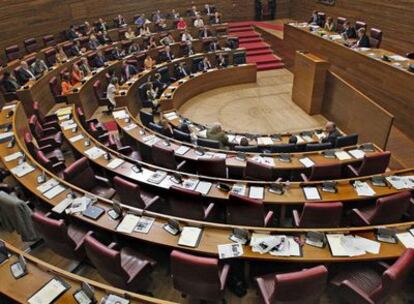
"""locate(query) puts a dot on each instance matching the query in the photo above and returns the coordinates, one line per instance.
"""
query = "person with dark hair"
(293, 139)
(272, 8)
(258, 9)
(65, 84)
(363, 40)
(244, 142)
(110, 92)
(183, 127)
(166, 128)
(9, 82)
(332, 133)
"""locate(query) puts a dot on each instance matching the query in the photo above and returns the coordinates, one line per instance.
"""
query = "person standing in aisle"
(259, 9)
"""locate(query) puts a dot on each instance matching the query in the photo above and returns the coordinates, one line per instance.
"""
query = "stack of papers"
(64, 111)
(59, 208)
(189, 184)
(357, 153)
(128, 224)
(398, 58)
(256, 192)
(300, 139)
(229, 250)
(151, 140)
(48, 293)
(182, 150)
(307, 138)
(144, 224)
(22, 169)
(406, 238)
(401, 182)
(94, 152)
(5, 136)
(264, 243)
(239, 189)
(115, 163)
(171, 116)
(311, 193)
(157, 177)
(203, 187)
(264, 141)
(349, 245)
(120, 114)
(113, 299)
(342, 155)
(130, 127)
(76, 138)
(55, 191)
(235, 139)
(265, 160)
(79, 204)
(13, 156)
(47, 185)
(363, 189)
(307, 162)
(68, 124)
(320, 135)
(190, 237)
(289, 248)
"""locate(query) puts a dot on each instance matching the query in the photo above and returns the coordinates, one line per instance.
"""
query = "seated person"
(103, 38)
(101, 26)
(183, 127)
(363, 40)
(208, 10)
(99, 60)
(332, 133)
(152, 94)
(199, 22)
(293, 139)
(329, 25)
(244, 142)
(158, 84)
(72, 34)
(117, 53)
(120, 21)
(186, 36)
(25, 73)
(194, 12)
(149, 63)
(76, 49)
(38, 67)
(162, 25)
(9, 82)
(174, 14)
(204, 65)
(127, 71)
(129, 34)
(141, 21)
(188, 48)
(61, 56)
(133, 48)
(214, 46)
(204, 33)
(221, 61)
(84, 66)
(76, 75)
(152, 44)
(181, 24)
(231, 44)
(167, 55)
(166, 128)
(349, 31)
(111, 91)
(181, 70)
(216, 19)
(216, 133)
(145, 30)
(88, 28)
(93, 43)
(315, 19)
(167, 40)
(65, 84)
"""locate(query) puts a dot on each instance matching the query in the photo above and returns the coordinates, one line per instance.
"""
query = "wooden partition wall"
(354, 112)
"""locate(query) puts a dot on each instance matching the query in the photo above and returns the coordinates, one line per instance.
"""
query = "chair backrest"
(210, 143)
(212, 167)
(155, 127)
(54, 87)
(195, 276)
(163, 156)
(375, 163)
(390, 209)
(181, 136)
(81, 117)
(321, 215)
(80, 174)
(49, 40)
(194, 64)
(340, 21)
(128, 192)
(28, 140)
(410, 55)
(106, 261)
(322, 17)
(257, 171)
(165, 74)
(55, 234)
(12, 52)
(242, 210)
(36, 110)
(326, 171)
(146, 117)
(44, 161)
(347, 140)
(375, 37)
(283, 148)
(239, 57)
(360, 24)
(30, 44)
(98, 90)
(186, 203)
(303, 287)
(35, 127)
(50, 57)
(394, 277)
(318, 147)
(246, 149)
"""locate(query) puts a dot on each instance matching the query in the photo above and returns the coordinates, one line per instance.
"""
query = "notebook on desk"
(190, 237)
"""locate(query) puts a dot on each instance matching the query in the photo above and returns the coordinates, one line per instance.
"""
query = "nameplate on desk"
(47, 185)
(13, 156)
(49, 292)
(94, 152)
(307, 162)
(55, 191)
(76, 138)
(5, 136)
(115, 163)
(22, 169)
(130, 127)
(256, 192)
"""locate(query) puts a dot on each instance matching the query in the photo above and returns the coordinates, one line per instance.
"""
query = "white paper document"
(307, 162)
(263, 243)
(357, 153)
(401, 182)
(13, 156)
(190, 184)
(363, 189)
(342, 155)
(288, 247)
(47, 185)
(55, 191)
(130, 127)
(76, 138)
(114, 299)
(340, 246)
(311, 193)
(239, 189)
(157, 177)
(120, 114)
(94, 152)
(203, 187)
(59, 208)
(48, 293)
(144, 224)
(264, 141)
(182, 150)
(5, 136)
(227, 251)
(406, 238)
(256, 192)
(300, 139)
(128, 224)
(22, 169)
(115, 163)
(190, 236)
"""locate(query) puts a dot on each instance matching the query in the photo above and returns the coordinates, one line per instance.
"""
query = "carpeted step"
(259, 52)
(263, 59)
(255, 46)
(240, 24)
(250, 40)
(270, 66)
(249, 34)
(240, 29)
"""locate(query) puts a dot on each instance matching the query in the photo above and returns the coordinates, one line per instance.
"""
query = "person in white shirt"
(198, 22)
(25, 72)
(110, 92)
(186, 36)
(130, 34)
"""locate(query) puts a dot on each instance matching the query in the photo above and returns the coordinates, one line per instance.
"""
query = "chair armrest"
(50, 131)
(382, 265)
(102, 181)
(93, 120)
(103, 137)
(125, 150)
(357, 218)
(354, 294)
(6, 188)
(51, 117)
(48, 141)
(296, 218)
(208, 210)
(268, 219)
(59, 166)
(223, 275)
(181, 165)
(352, 171)
(152, 202)
(51, 124)
(304, 177)
(113, 245)
(47, 149)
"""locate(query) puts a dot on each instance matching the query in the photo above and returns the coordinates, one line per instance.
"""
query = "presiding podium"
(309, 82)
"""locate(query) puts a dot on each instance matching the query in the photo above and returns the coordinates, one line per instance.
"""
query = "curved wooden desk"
(40, 272)
(213, 234)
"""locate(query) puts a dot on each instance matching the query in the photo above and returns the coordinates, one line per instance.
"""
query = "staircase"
(258, 51)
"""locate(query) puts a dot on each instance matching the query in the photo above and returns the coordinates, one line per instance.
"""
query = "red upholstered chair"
(49, 151)
(322, 17)
(371, 164)
(51, 164)
(86, 123)
(12, 52)
(199, 277)
(81, 175)
(131, 194)
(375, 38)
(50, 56)
(242, 210)
(100, 93)
(257, 171)
(56, 90)
(49, 40)
(215, 167)
(319, 215)
(360, 24)
(324, 172)
(46, 121)
(189, 204)
(124, 268)
(387, 210)
(30, 44)
(65, 240)
(300, 287)
(44, 136)
(340, 22)
(373, 283)
(164, 157)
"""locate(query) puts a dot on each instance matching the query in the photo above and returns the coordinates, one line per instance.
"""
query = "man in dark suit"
(332, 133)
(101, 26)
(208, 10)
(258, 9)
(231, 43)
(349, 31)
(120, 21)
(204, 33)
(363, 39)
(315, 19)
(167, 55)
(117, 53)
(272, 8)
(99, 60)
(127, 71)
(38, 67)
(9, 82)
(204, 65)
(214, 46)
(181, 70)
(25, 73)
(72, 34)
(158, 83)
(93, 43)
